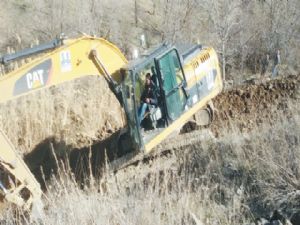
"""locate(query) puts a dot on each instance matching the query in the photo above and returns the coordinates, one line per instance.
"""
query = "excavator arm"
(17, 184)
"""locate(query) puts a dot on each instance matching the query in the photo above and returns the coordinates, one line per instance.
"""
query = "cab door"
(132, 139)
(172, 83)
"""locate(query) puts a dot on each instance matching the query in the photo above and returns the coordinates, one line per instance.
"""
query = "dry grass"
(229, 180)
(75, 114)
(243, 174)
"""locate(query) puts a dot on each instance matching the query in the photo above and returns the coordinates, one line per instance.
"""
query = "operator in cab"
(148, 97)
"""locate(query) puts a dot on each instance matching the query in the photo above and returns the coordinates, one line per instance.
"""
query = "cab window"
(172, 78)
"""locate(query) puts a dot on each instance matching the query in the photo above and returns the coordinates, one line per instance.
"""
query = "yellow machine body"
(66, 63)
(89, 56)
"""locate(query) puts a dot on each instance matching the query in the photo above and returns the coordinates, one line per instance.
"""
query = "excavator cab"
(167, 75)
(187, 78)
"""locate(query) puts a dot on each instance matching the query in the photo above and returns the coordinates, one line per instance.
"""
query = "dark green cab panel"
(172, 81)
(130, 106)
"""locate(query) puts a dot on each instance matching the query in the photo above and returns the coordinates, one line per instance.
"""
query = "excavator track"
(164, 149)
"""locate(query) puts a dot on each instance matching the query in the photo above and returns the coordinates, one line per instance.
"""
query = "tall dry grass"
(229, 180)
(74, 114)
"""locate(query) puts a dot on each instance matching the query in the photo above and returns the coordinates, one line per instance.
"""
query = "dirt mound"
(250, 105)
(75, 114)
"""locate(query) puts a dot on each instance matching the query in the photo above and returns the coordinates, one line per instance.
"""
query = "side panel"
(203, 75)
(66, 63)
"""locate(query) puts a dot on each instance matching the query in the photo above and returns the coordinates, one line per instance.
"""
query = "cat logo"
(35, 79)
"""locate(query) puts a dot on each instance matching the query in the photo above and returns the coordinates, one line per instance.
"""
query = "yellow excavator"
(186, 79)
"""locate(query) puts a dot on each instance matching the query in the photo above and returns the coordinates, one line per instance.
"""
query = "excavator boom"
(72, 60)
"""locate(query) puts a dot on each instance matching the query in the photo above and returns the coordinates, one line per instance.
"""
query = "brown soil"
(250, 105)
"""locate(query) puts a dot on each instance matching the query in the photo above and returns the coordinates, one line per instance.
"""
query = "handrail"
(57, 42)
